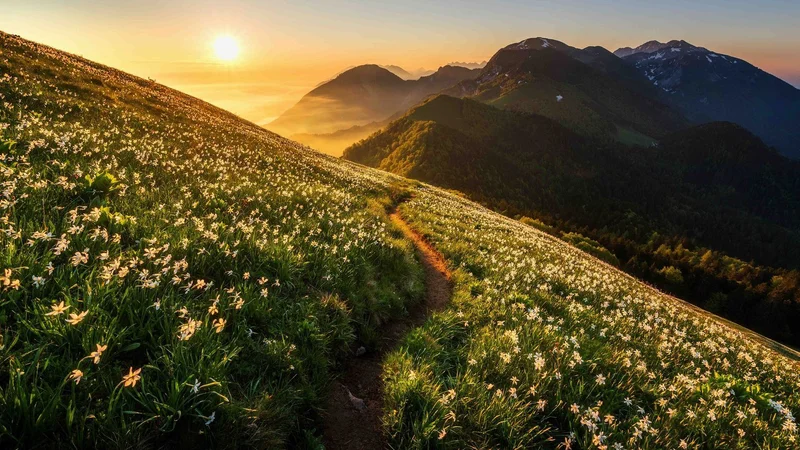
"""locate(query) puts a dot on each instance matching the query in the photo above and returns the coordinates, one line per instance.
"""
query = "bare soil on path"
(352, 419)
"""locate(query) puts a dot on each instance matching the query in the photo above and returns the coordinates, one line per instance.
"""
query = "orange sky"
(289, 47)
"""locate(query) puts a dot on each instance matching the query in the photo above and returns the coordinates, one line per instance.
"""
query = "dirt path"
(352, 419)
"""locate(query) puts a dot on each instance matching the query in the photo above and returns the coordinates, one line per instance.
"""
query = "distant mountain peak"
(366, 71)
(656, 46)
(451, 69)
(535, 74)
(709, 86)
(596, 49)
(538, 43)
(399, 71)
(468, 65)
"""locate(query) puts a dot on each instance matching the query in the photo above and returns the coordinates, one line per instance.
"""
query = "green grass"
(547, 347)
(632, 137)
(591, 247)
(234, 269)
(577, 112)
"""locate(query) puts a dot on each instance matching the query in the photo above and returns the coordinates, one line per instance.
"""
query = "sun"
(226, 48)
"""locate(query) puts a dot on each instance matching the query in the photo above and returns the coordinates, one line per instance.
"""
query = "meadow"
(545, 346)
(170, 273)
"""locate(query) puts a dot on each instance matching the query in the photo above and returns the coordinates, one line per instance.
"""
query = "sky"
(288, 47)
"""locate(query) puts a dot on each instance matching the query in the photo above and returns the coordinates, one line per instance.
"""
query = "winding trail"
(354, 408)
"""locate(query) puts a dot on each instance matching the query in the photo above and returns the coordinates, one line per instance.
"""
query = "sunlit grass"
(547, 347)
(170, 273)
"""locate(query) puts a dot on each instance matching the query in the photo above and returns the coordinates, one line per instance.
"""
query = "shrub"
(538, 224)
(591, 247)
(672, 274)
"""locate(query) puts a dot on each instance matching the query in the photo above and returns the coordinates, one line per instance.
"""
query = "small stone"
(357, 403)
(361, 350)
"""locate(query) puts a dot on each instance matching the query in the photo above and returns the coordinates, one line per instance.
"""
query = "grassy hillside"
(711, 214)
(172, 275)
(544, 347)
(170, 272)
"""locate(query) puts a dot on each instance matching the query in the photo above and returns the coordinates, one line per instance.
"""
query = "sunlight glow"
(226, 48)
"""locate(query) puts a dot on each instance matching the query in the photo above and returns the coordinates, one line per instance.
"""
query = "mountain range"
(360, 96)
(707, 86)
(634, 95)
(588, 90)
